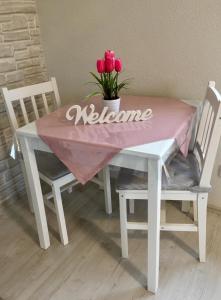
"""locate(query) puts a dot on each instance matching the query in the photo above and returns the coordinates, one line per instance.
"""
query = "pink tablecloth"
(86, 149)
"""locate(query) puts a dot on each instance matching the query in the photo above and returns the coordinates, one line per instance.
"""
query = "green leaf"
(92, 94)
(96, 77)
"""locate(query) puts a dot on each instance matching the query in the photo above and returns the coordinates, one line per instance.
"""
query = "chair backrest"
(29, 94)
(208, 134)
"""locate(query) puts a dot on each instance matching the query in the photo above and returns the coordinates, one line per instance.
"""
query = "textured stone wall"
(21, 63)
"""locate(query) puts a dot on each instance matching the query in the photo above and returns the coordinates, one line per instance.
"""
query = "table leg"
(154, 198)
(107, 190)
(28, 191)
(35, 187)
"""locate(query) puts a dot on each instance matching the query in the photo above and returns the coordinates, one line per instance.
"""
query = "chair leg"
(131, 206)
(107, 190)
(101, 178)
(163, 212)
(195, 211)
(202, 219)
(185, 206)
(60, 214)
(123, 225)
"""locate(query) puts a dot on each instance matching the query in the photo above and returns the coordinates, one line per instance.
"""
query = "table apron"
(121, 159)
(130, 162)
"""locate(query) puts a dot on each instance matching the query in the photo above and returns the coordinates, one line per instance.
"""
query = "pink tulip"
(100, 66)
(109, 54)
(109, 65)
(118, 65)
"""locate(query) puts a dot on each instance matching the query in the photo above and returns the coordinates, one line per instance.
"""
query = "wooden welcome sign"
(93, 117)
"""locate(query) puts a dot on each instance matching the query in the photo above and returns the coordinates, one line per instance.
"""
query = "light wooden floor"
(90, 267)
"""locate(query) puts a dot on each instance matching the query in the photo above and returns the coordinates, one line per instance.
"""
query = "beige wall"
(169, 47)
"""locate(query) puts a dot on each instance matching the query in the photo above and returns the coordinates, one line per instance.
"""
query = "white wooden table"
(148, 157)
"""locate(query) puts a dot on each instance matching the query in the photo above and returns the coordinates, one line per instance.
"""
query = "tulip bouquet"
(107, 81)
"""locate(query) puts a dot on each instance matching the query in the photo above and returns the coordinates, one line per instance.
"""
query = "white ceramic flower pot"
(113, 105)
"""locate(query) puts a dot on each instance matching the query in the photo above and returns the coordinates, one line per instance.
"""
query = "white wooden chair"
(189, 178)
(51, 169)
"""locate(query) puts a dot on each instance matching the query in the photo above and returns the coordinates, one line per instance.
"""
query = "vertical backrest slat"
(24, 112)
(35, 107)
(45, 103)
(199, 155)
(208, 132)
(199, 136)
(206, 128)
(56, 93)
(208, 135)
(211, 153)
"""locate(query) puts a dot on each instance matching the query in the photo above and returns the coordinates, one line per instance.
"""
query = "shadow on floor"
(103, 239)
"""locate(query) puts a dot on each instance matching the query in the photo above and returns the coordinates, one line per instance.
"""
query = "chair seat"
(50, 166)
(183, 174)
